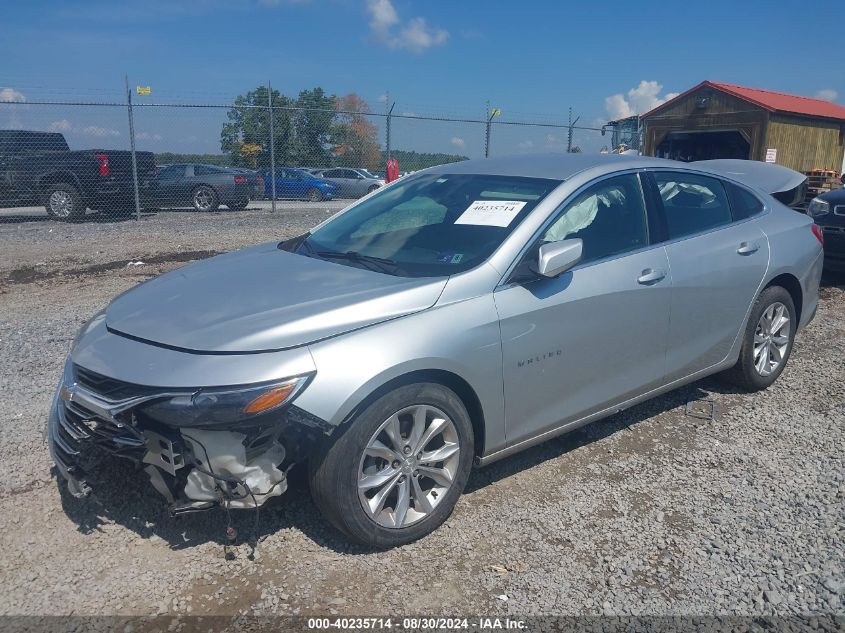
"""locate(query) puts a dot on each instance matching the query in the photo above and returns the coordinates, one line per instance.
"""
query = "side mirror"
(556, 258)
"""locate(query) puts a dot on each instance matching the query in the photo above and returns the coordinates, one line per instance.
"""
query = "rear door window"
(171, 171)
(692, 203)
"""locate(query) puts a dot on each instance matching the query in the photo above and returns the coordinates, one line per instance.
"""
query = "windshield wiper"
(378, 264)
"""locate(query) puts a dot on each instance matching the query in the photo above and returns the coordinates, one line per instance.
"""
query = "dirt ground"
(652, 511)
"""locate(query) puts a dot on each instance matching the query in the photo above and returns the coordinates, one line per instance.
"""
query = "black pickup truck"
(38, 168)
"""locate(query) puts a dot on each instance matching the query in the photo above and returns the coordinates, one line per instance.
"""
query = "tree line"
(312, 129)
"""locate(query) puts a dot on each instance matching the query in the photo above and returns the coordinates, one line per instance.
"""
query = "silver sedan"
(352, 183)
(457, 316)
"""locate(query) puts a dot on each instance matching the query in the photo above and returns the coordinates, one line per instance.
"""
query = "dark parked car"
(298, 184)
(206, 187)
(828, 210)
(38, 168)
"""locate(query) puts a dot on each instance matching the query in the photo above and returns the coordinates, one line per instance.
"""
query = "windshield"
(428, 225)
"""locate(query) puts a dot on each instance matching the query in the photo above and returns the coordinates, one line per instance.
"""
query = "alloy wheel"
(61, 203)
(408, 466)
(203, 199)
(771, 338)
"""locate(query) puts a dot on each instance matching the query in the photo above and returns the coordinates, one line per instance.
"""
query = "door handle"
(748, 249)
(651, 276)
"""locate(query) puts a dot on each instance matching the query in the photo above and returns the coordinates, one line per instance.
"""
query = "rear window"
(32, 142)
(744, 204)
(692, 203)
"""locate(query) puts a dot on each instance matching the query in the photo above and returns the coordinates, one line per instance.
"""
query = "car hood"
(263, 299)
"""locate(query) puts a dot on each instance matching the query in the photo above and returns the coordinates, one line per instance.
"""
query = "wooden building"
(716, 120)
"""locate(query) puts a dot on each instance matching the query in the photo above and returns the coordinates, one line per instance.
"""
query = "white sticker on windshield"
(491, 212)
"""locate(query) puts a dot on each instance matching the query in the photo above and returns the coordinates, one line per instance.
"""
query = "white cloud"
(382, 98)
(146, 136)
(99, 132)
(416, 35)
(528, 144)
(409, 114)
(639, 100)
(383, 16)
(457, 141)
(828, 94)
(60, 126)
(10, 95)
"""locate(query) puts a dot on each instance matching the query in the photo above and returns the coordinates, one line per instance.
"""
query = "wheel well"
(53, 178)
(791, 284)
(454, 382)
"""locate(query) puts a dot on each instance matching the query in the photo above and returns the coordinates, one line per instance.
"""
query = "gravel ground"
(648, 512)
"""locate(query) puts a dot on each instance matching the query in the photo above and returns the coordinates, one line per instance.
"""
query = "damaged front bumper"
(194, 468)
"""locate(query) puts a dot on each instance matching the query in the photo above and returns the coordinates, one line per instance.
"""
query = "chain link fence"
(124, 160)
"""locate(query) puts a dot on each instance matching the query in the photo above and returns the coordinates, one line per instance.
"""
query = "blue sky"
(531, 59)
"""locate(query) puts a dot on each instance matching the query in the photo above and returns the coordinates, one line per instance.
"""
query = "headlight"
(89, 325)
(818, 208)
(231, 405)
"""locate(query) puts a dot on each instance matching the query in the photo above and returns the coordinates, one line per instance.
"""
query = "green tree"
(249, 124)
(314, 122)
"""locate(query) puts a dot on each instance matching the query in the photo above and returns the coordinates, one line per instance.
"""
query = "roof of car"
(556, 166)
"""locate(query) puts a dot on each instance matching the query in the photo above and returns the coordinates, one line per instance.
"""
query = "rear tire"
(205, 199)
(314, 195)
(63, 202)
(372, 188)
(397, 440)
(767, 341)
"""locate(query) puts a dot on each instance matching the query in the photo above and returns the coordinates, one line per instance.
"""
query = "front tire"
(767, 341)
(205, 199)
(394, 473)
(63, 202)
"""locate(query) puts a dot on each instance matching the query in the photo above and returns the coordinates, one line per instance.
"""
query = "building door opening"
(689, 146)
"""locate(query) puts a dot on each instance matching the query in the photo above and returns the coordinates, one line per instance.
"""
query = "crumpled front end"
(195, 467)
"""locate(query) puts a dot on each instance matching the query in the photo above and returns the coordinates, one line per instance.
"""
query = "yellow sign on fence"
(143, 90)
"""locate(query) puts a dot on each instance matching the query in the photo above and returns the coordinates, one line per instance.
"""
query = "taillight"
(103, 160)
(240, 180)
(817, 231)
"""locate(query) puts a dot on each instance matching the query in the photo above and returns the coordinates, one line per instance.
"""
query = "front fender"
(353, 366)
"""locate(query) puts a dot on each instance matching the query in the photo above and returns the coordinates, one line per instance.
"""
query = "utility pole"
(132, 147)
(490, 114)
(272, 149)
(387, 129)
(571, 125)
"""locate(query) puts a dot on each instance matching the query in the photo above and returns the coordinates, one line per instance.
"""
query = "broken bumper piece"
(192, 468)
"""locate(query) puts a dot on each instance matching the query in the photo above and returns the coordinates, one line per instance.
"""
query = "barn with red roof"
(719, 120)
